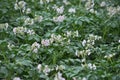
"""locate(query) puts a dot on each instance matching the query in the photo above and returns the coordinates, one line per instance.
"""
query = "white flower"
(72, 10)
(51, 40)
(59, 18)
(45, 42)
(38, 18)
(58, 76)
(35, 46)
(30, 32)
(69, 33)
(6, 25)
(109, 56)
(111, 11)
(74, 78)
(66, 2)
(76, 33)
(94, 67)
(56, 38)
(46, 70)
(61, 67)
(114, 54)
(103, 4)
(59, 38)
(68, 41)
(28, 11)
(84, 42)
(16, 7)
(76, 53)
(88, 52)
(16, 78)
(22, 31)
(119, 41)
(94, 37)
(83, 65)
(21, 4)
(82, 52)
(35, 50)
(53, 36)
(23, 9)
(10, 46)
(91, 66)
(60, 10)
(29, 21)
(15, 30)
(41, 1)
(84, 78)
(89, 4)
(83, 60)
(92, 10)
(19, 30)
(39, 67)
(105, 56)
(54, 7)
(118, 8)
(47, 1)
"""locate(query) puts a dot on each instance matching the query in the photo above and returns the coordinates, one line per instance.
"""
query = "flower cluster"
(35, 46)
(90, 6)
(60, 18)
(90, 41)
(45, 42)
(72, 10)
(45, 69)
(113, 10)
(45, 1)
(21, 5)
(72, 33)
(66, 2)
(88, 45)
(22, 31)
(60, 10)
(10, 46)
(19, 30)
(38, 18)
(4, 26)
(61, 67)
(16, 78)
(58, 76)
(83, 53)
(90, 66)
(56, 38)
(103, 4)
(29, 21)
(109, 56)
(119, 41)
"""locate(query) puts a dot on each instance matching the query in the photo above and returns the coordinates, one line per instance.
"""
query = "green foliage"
(59, 40)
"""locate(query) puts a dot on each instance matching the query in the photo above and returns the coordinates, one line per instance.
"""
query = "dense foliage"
(59, 40)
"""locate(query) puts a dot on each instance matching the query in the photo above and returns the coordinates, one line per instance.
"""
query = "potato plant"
(59, 40)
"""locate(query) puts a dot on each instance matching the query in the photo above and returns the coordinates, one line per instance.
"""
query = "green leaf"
(24, 62)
